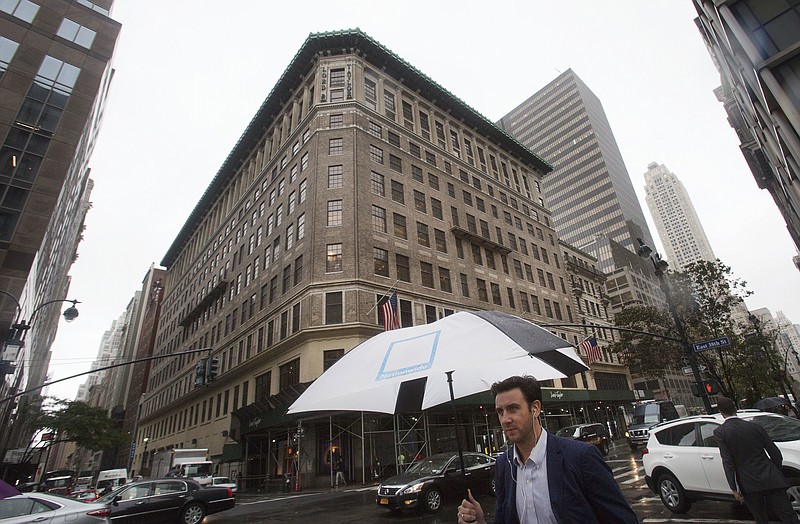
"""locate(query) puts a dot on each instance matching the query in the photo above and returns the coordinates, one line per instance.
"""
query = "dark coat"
(582, 487)
(741, 446)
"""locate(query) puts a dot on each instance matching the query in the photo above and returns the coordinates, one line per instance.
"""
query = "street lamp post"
(660, 266)
(12, 346)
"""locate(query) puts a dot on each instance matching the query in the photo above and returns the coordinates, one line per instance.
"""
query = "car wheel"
(194, 513)
(672, 494)
(433, 499)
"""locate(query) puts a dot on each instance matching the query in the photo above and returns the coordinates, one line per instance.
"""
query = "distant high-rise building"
(753, 44)
(676, 220)
(589, 191)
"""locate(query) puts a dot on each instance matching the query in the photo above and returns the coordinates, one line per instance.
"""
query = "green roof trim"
(335, 43)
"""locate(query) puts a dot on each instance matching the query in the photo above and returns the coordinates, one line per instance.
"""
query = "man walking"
(754, 477)
(543, 478)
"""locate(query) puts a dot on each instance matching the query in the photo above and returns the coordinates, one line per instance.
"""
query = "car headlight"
(414, 488)
(627, 434)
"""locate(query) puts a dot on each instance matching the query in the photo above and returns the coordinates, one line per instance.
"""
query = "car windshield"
(646, 414)
(779, 428)
(197, 470)
(429, 466)
(567, 431)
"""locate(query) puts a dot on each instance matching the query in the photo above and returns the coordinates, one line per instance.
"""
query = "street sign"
(688, 369)
(711, 344)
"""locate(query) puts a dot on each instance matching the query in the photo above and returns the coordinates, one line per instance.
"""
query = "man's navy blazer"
(582, 488)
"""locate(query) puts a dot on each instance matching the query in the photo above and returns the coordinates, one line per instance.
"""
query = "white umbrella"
(404, 370)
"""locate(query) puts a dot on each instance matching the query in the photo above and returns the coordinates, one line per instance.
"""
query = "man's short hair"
(529, 386)
(726, 406)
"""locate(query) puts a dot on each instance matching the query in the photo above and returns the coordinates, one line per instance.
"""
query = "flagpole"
(392, 288)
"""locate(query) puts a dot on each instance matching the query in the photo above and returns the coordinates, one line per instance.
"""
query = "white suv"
(682, 462)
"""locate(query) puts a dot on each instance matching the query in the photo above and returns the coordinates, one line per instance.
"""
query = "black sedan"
(428, 482)
(182, 501)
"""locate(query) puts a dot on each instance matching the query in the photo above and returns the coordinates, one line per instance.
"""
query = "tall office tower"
(55, 58)
(676, 220)
(589, 191)
(357, 176)
(753, 45)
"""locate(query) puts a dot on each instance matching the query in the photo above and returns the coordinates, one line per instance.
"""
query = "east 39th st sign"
(711, 344)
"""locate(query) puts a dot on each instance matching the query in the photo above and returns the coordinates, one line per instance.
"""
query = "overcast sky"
(190, 75)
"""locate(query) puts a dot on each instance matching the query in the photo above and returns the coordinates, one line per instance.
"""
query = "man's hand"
(739, 497)
(470, 511)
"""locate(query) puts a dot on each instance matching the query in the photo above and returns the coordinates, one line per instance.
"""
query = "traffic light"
(213, 369)
(711, 386)
(200, 373)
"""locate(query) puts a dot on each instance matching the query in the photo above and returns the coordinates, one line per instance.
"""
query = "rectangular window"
(436, 208)
(483, 296)
(378, 219)
(376, 154)
(335, 177)
(333, 261)
(301, 226)
(426, 271)
(422, 235)
(511, 298)
(395, 163)
(289, 374)
(400, 230)
(287, 278)
(477, 256)
(496, 298)
(523, 299)
(377, 184)
(371, 94)
(381, 261)
(419, 202)
(414, 150)
(335, 146)
(416, 173)
(430, 158)
(393, 138)
(336, 80)
(375, 129)
(408, 115)
(298, 270)
(441, 240)
(336, 121)
(334, 213)
(402, 267)
(74, 32)
(296, 318)
(464, 285)
(388, 104)
(444, 280)
(333, 308)
(331, 357)
(397, 192)
(263, 387)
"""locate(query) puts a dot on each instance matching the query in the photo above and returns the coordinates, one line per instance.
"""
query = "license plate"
(384, 501)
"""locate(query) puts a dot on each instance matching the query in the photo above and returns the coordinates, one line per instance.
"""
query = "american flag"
(591, 349)
(390, 316)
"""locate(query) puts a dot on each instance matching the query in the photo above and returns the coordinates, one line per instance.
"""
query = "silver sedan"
(44, 508)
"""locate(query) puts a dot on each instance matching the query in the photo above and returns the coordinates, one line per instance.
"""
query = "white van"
(111, 478)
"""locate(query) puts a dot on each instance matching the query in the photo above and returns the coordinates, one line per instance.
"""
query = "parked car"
(682, 463)
(160, 501)
(44, 507)
(428, 482)
(224, 482)
(595, 434)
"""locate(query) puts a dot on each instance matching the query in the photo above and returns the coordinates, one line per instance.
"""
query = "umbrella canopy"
(404, 370)
(769, 403)
(7, 490)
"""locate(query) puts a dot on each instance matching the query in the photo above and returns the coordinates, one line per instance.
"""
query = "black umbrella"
(770, 403)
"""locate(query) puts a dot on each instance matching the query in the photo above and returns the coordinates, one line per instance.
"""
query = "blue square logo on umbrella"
(410, 355)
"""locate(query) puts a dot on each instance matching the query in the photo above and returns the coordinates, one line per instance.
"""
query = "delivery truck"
(179, 462)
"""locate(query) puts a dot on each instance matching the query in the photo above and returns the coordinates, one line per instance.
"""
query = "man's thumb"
(469, 496)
